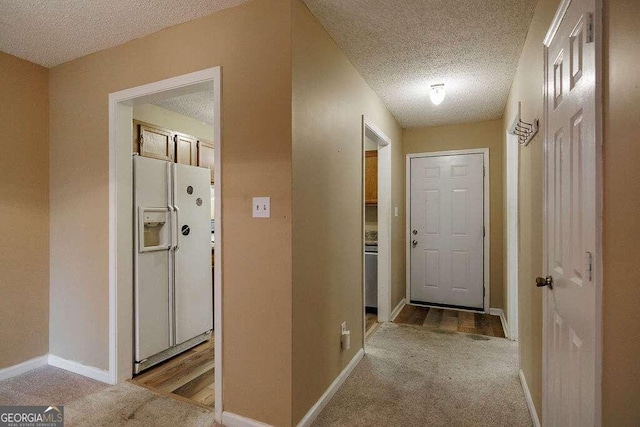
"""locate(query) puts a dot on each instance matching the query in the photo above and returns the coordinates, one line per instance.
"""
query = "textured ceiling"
(50, 32)
(197, 105)
(402, 47)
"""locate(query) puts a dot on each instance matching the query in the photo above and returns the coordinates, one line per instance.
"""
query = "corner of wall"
(24, 191)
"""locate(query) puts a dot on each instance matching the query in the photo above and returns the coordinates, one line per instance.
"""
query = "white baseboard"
(527, 397)
(79, 368)
(503, 320)
(398, 309)
(315, 410)
(21, 368)
(229, 419)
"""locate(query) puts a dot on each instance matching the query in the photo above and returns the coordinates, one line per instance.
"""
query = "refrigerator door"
(152, 266)
(193, 284)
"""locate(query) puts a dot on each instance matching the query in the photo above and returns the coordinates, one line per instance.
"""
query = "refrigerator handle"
(174, 189)
(174, 226)
(171, 265)
(176, 245)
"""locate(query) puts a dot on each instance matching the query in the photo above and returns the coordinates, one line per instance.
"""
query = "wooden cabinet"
(164, 144)
(186, 149)
(154, 141)
(205, 156)
(371, 178)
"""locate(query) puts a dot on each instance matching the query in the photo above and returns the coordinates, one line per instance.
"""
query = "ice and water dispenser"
(154, 229)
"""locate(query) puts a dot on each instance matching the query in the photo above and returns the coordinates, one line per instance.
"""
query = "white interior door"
(570, 156)
(193, 283)
(446, 237)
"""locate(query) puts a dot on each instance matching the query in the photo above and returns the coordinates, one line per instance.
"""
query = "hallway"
(414, 376)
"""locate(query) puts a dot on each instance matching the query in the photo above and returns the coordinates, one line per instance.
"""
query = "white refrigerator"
(173, 289)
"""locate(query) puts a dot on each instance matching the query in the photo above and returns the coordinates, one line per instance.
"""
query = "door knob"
(415, 232)
(414, 243)
(546, 281)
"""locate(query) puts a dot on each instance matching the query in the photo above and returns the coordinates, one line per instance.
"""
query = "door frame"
(384, 216)
(121, 218)
(512, 154)
(369, 129)
(597, 257)
(486, 220)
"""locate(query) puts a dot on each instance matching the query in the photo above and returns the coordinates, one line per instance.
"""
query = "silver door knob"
(544, 281)
(415, 232)
(414, 243)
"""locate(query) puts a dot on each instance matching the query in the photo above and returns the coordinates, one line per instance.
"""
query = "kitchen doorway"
(370, 235)
(376, 202)
(181, 151)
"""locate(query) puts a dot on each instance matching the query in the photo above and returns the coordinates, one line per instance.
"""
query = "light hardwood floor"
(371, 324)
(451, 320)
(188, 376)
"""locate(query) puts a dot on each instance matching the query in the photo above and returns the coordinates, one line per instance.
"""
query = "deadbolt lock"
(414, 232)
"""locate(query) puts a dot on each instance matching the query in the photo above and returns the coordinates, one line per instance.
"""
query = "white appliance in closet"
(173, 291)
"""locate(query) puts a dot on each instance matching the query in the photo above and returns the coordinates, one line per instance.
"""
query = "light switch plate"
(262, 207)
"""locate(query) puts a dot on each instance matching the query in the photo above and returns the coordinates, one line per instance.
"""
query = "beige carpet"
(132, 405)
(412, 376)
(91, 403)
(47, 386)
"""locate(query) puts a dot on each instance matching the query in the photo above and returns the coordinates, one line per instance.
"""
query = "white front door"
(570, 157)
(446, 230)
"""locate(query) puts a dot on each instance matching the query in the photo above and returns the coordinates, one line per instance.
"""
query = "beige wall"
(466, 136)
(329, 98)
(527, 88)
(252, 43)
(24, 211)
(159, 116)
(621, 237)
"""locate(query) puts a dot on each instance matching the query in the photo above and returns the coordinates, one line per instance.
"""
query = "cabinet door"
(206, 156)
(371, 178)
(186, 149)
(155, 142)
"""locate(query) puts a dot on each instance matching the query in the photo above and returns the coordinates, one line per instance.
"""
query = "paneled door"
(569, 284)
(447, 230)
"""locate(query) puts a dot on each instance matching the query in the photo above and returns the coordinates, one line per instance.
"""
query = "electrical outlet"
(345, 337)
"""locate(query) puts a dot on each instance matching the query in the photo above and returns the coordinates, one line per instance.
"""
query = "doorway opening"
(162, 135)
(370, 235)
(376, 179)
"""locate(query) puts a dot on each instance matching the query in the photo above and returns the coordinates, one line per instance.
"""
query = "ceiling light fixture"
(437, 94)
